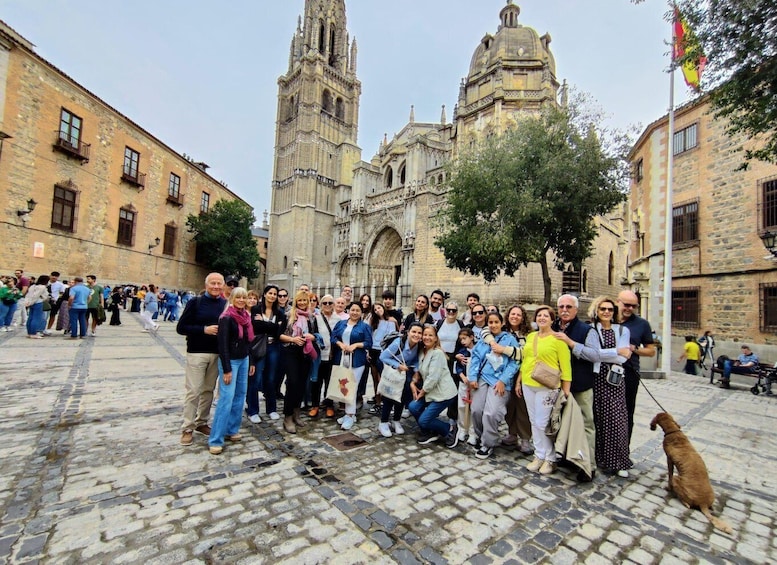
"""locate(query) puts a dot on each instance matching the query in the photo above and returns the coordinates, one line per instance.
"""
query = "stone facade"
(722, 262)
(81, 164)
(372, 224)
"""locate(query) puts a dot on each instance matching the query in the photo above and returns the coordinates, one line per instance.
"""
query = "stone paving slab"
(92, 472)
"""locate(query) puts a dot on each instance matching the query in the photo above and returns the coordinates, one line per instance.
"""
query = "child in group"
(465, 423)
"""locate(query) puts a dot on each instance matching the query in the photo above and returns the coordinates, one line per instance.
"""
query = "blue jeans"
(7, 320)
(426, 414)
(229, 410)
(269, 378)
(729, 367)
(77, 318)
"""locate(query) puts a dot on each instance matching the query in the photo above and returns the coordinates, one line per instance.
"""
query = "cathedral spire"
(443, 117)
(412, 114)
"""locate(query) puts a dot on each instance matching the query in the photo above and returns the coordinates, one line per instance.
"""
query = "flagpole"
(666, 329)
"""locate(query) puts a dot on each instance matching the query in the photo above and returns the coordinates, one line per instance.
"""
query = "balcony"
(72, 147)
(175, 200)
(135, 178)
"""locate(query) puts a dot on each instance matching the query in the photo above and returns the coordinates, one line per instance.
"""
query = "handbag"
(392, 382)
(259, 347)
(615, 375)
(543, 373)
(342, 383)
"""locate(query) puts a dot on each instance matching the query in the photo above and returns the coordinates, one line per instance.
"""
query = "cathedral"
(337, 219)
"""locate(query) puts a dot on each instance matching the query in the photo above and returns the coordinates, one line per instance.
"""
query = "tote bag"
(342, 383)
(392, 381)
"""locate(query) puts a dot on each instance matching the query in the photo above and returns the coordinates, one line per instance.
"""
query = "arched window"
(332, 35)
(326, 101)
(321, 37)
(439, 179)
(340, 108)
(285, 262)
(611, 269)
(402, 175)
(389, 177)
(584, 280)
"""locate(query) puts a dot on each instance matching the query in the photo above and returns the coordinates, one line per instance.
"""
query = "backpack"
(388, 339)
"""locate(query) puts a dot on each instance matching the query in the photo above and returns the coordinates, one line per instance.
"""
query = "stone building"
(337, 219)
(110, 198)
(721, 279)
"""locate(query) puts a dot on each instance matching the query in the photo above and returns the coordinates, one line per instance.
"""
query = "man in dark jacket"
(199, 323)
(584, 344)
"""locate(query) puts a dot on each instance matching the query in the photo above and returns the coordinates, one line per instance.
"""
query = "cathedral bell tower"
(315, 146)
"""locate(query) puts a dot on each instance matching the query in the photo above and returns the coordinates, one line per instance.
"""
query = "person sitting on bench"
(747, 364)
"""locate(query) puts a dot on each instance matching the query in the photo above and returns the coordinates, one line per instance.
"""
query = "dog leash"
(649, 393)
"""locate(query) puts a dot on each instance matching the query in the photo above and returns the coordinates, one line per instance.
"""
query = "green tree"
(531, 193)
(739, 40)
(224, 240)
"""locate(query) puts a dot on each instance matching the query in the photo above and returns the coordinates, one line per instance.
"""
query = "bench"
(765, 372)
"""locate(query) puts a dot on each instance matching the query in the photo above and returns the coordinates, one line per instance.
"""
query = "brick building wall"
(42, 159)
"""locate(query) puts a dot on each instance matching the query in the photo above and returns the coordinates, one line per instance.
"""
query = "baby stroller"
(765, 380)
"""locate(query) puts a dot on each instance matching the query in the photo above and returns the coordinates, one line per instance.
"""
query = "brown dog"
(692, 483)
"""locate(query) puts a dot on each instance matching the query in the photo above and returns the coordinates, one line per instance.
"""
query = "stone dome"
(512, 43)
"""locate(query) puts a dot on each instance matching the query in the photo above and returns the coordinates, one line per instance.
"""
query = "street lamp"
(152, 245)
(30, 207)
(769, 240)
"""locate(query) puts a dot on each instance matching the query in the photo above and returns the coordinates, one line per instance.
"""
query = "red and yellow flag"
(686, 42)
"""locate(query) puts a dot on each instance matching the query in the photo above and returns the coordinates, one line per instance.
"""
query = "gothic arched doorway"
(385, 259)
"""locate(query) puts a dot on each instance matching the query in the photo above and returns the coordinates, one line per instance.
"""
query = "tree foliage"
(224, 240)
(739, 39)
(532, 192)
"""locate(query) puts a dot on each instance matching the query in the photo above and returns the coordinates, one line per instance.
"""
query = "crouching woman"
(234, 337)
(434, 391)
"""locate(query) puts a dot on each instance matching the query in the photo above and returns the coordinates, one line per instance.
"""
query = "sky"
(201, 75)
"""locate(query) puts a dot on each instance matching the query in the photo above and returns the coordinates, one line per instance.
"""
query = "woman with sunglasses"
(543, 346)
(478, 320)
(297, 356)
(610, 411)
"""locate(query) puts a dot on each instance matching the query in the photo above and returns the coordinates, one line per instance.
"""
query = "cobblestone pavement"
(92, 472)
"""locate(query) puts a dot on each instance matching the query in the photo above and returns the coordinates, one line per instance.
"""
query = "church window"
(440, 179)
(611, 269)
(340, 108)
(402, 175)
(326, 101)
(431, 181)
(389, 177)
(332, 55)
(285, 262)
(321, 37)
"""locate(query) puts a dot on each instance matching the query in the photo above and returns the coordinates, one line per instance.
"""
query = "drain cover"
(346, 441)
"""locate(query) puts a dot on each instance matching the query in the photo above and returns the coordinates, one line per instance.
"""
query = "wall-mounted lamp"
(30, 207)
(769, 240)
(152, 245)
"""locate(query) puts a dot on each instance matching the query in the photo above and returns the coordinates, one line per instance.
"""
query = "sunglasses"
(626, 305)
(606, 309)
(327, 303)
(478, 313)
(232, 284)
(283, 296)
(453, 310)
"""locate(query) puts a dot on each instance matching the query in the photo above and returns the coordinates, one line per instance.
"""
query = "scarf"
(300, 327)
(243, 319)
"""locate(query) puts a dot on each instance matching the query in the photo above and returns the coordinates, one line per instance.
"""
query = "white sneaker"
(405, 413)
(623, 474)
(154, 328)
(274, 416)
(340, 420)
(472, 440)
(46, 332)
(255, 419)
(398, 429)
(384, 429)
(462, 435)
(348, 422)
(92, 334)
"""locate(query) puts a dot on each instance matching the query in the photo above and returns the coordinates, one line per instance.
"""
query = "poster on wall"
(38, 249)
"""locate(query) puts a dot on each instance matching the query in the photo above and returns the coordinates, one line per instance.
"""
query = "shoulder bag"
(543, 373)
(259, 347)
(392, 381)
(342, 383)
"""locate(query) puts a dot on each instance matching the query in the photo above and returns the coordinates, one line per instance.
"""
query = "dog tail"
(717, 522)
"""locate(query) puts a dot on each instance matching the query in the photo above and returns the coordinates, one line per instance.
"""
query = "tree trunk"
(545, 279)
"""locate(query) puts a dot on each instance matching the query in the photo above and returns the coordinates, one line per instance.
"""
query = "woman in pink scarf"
(298, 353)
(234, 337)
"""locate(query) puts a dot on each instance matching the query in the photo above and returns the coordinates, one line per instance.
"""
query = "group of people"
(46, 304)
(461, 374)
